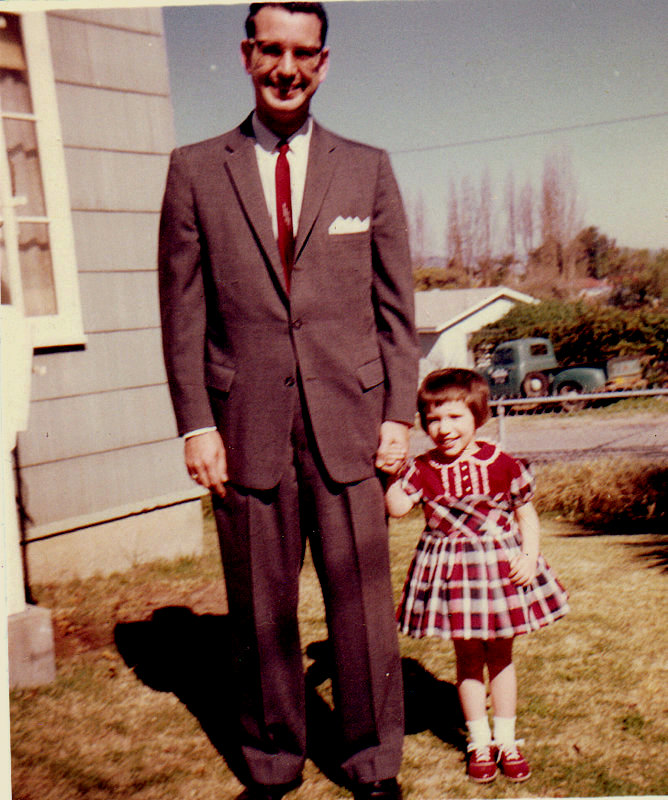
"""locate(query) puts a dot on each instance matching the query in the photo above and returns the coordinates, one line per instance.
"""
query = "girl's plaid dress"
(458, 585)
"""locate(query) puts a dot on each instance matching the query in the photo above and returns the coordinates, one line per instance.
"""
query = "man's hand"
(206, 461)
(393, 446)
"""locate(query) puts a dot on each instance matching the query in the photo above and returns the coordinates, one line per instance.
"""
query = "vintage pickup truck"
(529, 368)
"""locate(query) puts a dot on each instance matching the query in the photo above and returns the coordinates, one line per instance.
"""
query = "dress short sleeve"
(522, 484)
(411, 481)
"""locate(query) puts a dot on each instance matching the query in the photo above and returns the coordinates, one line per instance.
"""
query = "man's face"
(286, 64)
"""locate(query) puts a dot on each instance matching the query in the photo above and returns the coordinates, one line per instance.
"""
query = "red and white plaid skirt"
(458, 588)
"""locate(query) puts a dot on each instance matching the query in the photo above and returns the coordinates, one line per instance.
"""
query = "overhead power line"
(543, 132)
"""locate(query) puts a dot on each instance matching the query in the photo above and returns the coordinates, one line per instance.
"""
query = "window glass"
(39, 291)
(5, 293)
(503, 356)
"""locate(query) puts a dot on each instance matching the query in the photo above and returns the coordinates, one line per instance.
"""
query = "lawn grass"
(592, 704)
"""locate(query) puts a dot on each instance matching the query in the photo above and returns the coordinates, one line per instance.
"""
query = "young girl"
(477, 576)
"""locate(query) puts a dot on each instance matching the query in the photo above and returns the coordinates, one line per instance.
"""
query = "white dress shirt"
(267, 155)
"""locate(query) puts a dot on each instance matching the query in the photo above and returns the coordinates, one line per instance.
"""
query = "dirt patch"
(75, 632)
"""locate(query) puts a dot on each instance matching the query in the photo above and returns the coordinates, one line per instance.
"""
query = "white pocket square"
(349, 225)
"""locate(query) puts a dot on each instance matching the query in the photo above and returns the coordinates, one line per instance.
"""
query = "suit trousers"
(263, 537)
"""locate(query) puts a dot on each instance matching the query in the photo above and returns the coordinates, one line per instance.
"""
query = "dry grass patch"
(592, 708)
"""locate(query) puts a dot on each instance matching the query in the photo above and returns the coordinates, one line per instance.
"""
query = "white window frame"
(66, 326)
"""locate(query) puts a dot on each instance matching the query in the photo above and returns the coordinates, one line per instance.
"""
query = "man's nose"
(287, 65)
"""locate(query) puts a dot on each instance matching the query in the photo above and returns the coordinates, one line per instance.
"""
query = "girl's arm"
(523, 565)
(397, 502)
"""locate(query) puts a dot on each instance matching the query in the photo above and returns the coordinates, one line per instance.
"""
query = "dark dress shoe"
(388, 789)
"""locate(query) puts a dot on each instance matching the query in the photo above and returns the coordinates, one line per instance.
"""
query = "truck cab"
(521, 367)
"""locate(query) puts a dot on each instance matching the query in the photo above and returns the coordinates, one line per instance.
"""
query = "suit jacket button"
(290, 381)
(297, 324)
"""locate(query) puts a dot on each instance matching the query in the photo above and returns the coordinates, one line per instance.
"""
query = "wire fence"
(549, 428)
(567, 428)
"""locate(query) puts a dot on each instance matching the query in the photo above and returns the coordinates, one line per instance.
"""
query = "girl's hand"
(522, 569)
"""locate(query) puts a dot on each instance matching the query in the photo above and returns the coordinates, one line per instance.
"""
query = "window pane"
(14, 92)
(11, 49)
(4, 282)
(39, 291)
(24, 167)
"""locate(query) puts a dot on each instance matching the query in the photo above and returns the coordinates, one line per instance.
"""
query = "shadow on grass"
(646, 544)
(432, 704)
(653, 548)
(184, 653)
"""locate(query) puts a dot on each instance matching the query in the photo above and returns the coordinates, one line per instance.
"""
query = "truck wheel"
(570, 390)
(535, 384)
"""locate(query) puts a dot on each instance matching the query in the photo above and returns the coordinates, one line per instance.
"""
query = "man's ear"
(324, 65)
(246, 51)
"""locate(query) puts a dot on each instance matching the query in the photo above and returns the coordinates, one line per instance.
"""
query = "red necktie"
(286, 242)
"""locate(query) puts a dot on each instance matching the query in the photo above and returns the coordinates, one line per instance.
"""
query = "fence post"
(501, 416)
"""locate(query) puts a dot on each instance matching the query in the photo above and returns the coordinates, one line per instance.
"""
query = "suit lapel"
(241, 165)
(321, 163)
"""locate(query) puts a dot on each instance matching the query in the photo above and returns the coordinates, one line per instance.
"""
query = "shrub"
(603, 491)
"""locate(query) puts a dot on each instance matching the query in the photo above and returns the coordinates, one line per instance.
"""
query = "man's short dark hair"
(293, 8)
(446, 385)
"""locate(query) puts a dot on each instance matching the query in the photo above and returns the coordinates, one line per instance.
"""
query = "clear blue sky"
(407, 74)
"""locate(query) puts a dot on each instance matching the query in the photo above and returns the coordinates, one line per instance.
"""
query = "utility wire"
(544, 132)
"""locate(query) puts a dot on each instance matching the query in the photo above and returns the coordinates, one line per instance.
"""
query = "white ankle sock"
(479, 732)
(504, 730)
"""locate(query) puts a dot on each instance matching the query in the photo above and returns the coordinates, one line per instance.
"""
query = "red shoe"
(481, 766)
(513, 764)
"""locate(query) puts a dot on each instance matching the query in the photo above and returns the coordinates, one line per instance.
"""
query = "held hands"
(206, 461)
(392, 447)
(522, 569)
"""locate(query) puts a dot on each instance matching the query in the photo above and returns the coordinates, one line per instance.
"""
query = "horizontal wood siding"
(117, 241)
(107, 181)
(103, 481)
(90, 119)
(101, 431)
(99, 56)
(111, 361)
(97, 423)
(119, 300)
(139, 20)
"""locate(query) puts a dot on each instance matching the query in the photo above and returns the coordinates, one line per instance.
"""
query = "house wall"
(450, 348)
(101, 448)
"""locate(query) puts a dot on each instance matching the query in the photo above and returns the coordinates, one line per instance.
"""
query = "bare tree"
(560, 215)
(483, 227)
(511, 214)
(453, 236)
(525, 213)
(467, 222)
(418, 234)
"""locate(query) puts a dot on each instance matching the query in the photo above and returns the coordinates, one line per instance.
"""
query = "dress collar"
(484, 451)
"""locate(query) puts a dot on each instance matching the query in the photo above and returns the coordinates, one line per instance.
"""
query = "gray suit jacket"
(235, 341)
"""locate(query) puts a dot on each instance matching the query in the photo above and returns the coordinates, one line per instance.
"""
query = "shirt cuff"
(199, 431)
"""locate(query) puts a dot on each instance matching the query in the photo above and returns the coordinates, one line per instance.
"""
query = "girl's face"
(451, 427)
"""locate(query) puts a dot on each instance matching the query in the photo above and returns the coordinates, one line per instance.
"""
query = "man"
(287, 312)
